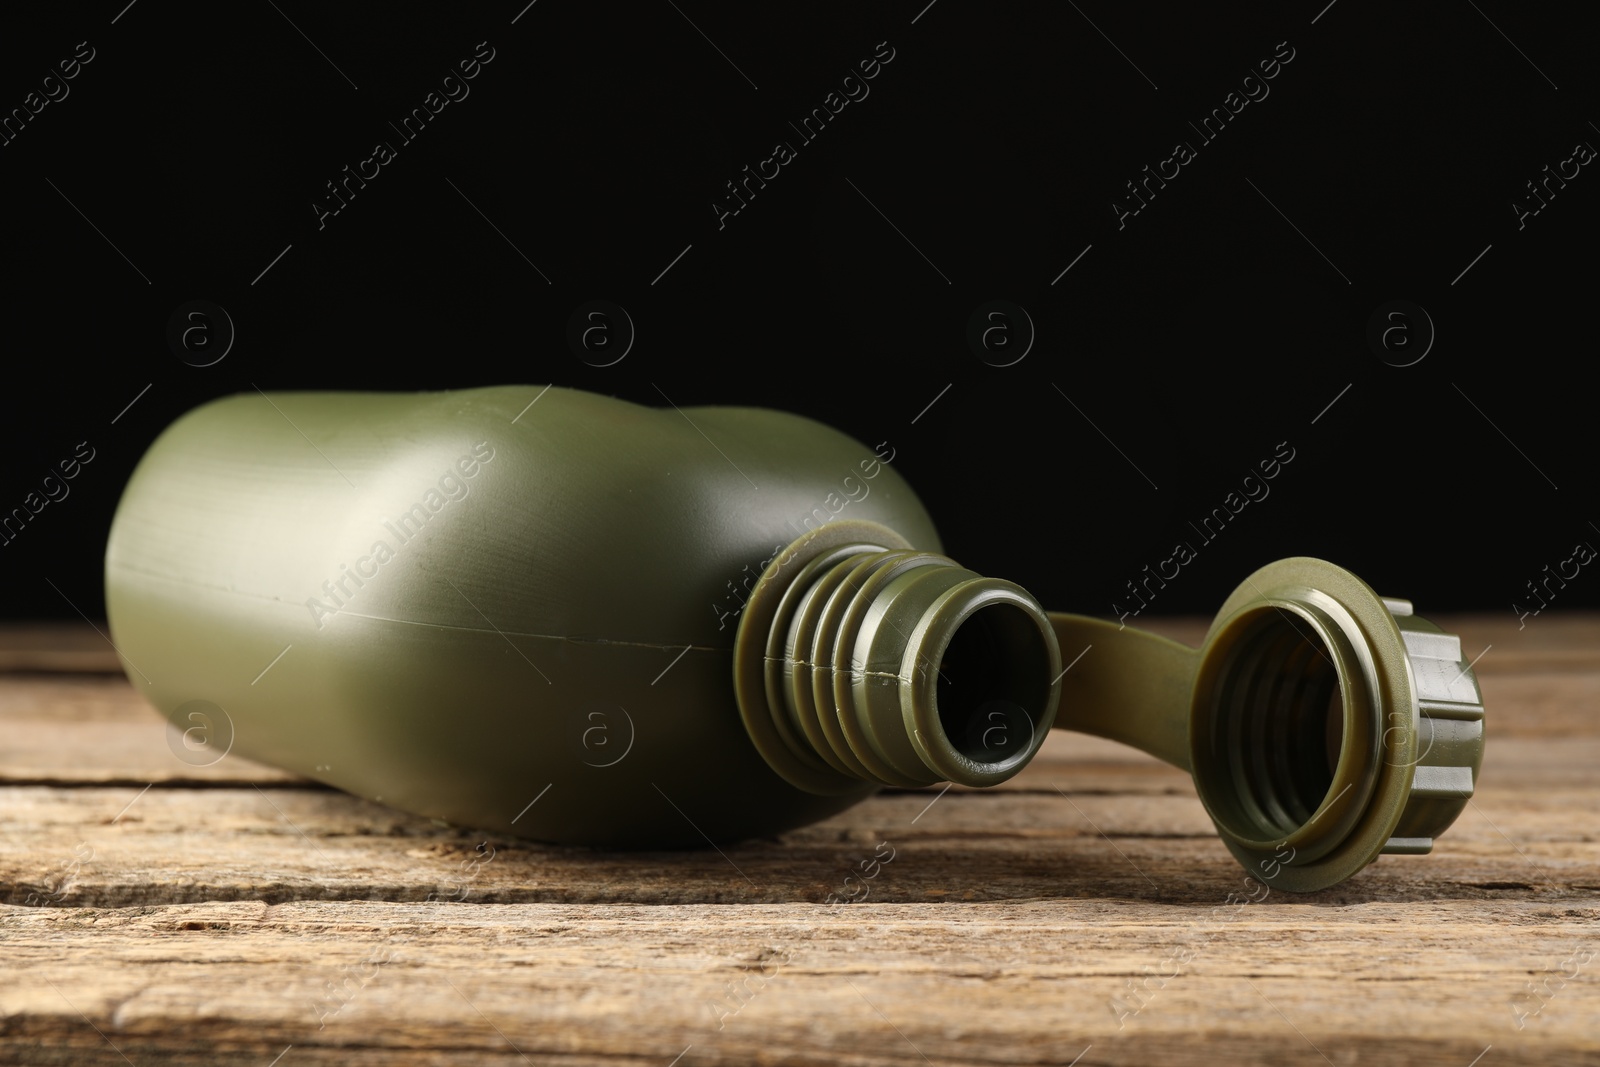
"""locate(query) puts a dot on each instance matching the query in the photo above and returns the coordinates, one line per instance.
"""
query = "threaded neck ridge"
(881, 664)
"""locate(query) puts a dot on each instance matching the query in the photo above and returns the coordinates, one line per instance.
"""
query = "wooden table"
(159, 913)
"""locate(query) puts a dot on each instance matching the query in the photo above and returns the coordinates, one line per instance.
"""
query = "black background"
(1190, 342)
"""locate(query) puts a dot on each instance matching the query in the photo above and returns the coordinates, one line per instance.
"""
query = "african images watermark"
(54, 89)
(1251, 488)
(452, 485)
(853, 88)
(728, 608)
(56, 891)
(600, 332)
(861, 874)
(601, 734)
(835, 502)
(1542, 193)
(1582, 553)
(200, 733)
(471, 867)
(1252, 89)
(1527, 1005)
(454, 88)
(354, 977)
(55, 490)
(851, 490)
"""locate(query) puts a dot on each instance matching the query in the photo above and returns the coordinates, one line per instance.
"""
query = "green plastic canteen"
(543, 612)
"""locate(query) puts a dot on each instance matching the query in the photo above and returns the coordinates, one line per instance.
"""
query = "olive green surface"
(1324, 725)
(555, 628)
(860, 659)
(545, 612)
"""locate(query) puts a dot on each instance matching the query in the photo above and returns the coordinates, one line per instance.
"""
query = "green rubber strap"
(1126, 685)
(1324, 725)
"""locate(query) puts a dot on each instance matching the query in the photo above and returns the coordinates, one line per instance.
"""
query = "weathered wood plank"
(227, 913)
(1018, 983)
(70, 646)
(1530, 830)
(96, 729)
